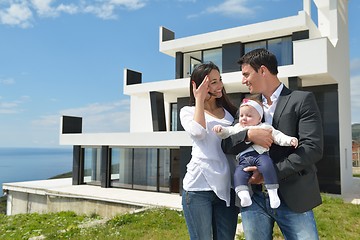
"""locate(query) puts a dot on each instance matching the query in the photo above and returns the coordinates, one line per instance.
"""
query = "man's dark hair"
(258, 57)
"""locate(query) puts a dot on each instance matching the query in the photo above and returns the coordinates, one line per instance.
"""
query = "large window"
(144, 168)
(191, 59)
(193, 63)
(92, 160)
(213, 55)
(164, 170)
(253, 45)
(121, 167)
(280, 47)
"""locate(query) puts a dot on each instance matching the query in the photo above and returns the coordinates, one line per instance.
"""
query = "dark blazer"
(298, 115)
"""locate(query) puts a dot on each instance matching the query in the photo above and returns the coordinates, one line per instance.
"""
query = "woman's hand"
(202, 92)
(200, 95)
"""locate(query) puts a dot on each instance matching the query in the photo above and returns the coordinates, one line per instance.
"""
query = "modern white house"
(312, 48)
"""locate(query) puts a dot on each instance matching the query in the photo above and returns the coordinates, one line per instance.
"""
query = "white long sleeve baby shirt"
(280, 138)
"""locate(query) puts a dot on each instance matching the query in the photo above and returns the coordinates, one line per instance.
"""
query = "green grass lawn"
(335, 220)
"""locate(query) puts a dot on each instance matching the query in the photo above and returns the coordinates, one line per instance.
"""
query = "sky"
(68, 57)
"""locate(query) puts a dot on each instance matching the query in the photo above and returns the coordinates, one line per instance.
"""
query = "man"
(295, 113)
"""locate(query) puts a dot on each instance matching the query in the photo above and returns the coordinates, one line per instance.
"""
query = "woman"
(207, 198)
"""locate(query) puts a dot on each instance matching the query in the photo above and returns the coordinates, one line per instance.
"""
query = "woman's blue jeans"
(207, 216)
(258, 221)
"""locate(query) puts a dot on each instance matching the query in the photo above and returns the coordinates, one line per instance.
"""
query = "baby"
(250, 115)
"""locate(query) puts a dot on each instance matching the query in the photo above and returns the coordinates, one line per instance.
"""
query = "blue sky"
(67, 57)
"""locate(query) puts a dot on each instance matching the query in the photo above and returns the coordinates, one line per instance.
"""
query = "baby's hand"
(217, 128)
(294, 142)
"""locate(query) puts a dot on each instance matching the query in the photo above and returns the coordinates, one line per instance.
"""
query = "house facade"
(313, 55)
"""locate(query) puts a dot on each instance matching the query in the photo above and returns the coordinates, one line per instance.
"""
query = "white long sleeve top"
(208, 168)
(279, 137)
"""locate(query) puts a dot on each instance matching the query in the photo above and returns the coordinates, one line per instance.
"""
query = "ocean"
(27, 164)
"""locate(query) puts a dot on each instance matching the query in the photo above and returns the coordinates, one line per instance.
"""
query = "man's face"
(252, 79)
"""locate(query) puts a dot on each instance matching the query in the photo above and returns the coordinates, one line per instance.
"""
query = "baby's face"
(249, 116)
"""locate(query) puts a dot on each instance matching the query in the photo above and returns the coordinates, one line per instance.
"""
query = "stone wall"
(22, 202)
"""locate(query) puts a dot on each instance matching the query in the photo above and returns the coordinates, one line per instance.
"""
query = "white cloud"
(104, 11)
(69, 9)
(22, 12)
(97, 117)
(232, 8)
(128, 4)
(17, 14)
(43, 7)
(13, 107)
(7, 81)
(8, 108)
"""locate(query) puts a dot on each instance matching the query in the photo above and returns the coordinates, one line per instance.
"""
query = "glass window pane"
(193, 63)
(92, 160)
(282, 49)
(121, 167)
(145, 169)
(213, 55)
(164, 170)
(175, 170)
(254, 45)
(190, 60)
(174, 117)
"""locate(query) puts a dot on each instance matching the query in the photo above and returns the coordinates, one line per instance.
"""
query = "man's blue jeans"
(207, 216)
(258, 221)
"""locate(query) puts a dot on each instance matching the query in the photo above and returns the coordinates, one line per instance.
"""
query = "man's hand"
(262, 137)
(257, 177)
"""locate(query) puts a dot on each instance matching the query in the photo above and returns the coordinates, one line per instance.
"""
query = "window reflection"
(254, 45)
(213, 55)
(282, 49)
(141, 168)
(92, 161)
(174, 117)
(145, 169)
(121, 167)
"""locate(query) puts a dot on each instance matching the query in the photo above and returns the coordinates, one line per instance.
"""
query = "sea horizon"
(19, 164)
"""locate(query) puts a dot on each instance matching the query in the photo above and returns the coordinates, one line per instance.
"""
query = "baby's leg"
(266, 167)
(241, 179)
(245, 199)
(274, 198)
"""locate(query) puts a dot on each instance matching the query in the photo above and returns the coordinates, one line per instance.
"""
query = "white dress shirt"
(269, 110)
